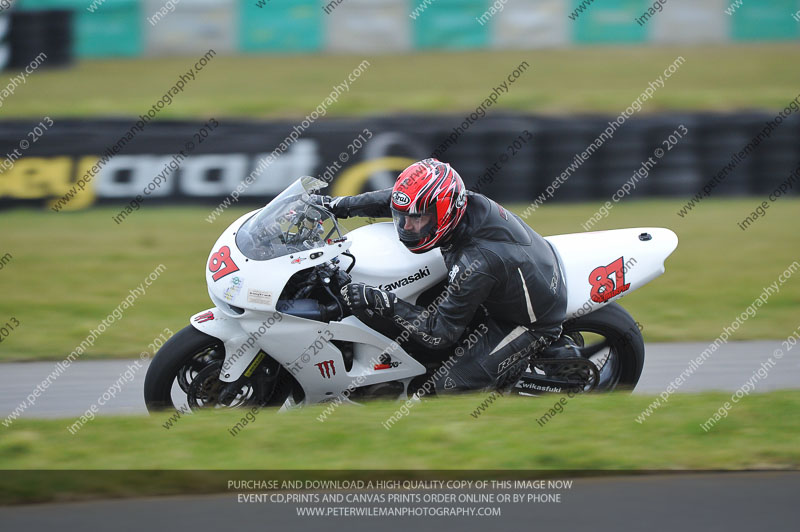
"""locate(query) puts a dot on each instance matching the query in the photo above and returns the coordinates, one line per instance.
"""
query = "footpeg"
(561, 375)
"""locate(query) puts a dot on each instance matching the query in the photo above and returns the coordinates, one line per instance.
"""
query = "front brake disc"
(205, 388)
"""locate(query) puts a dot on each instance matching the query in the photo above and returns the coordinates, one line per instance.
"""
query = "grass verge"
(575, 80)
(591, 433)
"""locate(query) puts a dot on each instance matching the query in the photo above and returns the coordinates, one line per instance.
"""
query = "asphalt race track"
(83, 382)
(707, 502)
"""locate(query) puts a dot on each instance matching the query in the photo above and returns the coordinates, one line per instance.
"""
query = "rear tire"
(625, 339)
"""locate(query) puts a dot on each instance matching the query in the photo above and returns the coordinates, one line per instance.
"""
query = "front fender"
(241, 347)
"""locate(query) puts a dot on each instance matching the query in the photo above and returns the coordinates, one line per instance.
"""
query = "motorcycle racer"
(513, 298)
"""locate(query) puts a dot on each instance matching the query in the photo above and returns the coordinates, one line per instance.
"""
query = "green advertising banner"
(764, 21)
(281, 25)
(449, 24)
(103, 28)
(609, 21)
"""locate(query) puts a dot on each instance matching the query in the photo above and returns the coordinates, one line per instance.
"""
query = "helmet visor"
(414, 228)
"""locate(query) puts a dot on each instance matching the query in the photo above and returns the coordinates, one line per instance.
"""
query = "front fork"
(241, 348)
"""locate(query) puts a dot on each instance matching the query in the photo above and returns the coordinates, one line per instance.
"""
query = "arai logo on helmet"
(400, 198)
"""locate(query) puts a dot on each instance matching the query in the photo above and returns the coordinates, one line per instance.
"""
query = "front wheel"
(186, 370)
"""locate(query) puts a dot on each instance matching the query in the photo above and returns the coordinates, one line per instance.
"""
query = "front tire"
(191, 356)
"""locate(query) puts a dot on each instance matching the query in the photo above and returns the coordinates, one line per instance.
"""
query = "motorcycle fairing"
(320, 370)
(643, 251)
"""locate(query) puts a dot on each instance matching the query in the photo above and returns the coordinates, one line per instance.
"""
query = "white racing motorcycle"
(278, 333)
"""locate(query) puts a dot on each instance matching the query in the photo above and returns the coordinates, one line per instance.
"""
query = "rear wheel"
(611, 339)
(186, 370)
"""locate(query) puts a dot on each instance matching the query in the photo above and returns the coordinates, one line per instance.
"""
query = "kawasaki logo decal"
(423, 272)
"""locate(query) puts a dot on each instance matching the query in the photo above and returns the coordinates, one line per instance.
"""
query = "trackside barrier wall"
(105, 28)
(218, 165)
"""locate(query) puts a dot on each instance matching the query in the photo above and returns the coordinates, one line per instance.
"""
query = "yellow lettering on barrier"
(48, 177)
(83, 198)
(36, 177)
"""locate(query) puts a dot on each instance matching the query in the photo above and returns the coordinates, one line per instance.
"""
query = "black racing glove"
(328, 203)
(362, 298)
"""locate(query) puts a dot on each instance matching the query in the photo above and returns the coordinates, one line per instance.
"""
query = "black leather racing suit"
(505, 294)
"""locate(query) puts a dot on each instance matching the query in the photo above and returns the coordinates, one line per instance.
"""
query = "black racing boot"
(564, 347)
(562, 359)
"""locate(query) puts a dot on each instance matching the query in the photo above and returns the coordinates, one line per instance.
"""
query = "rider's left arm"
(372, 204)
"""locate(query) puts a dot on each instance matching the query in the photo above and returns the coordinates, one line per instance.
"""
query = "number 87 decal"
(222, 263)
(603, 286)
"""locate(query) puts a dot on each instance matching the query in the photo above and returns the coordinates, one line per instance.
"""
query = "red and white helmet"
(428, 200)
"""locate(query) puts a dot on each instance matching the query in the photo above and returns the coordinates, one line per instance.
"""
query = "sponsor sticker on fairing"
(261, 297)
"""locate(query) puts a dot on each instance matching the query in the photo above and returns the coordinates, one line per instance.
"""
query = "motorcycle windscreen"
(288, 224)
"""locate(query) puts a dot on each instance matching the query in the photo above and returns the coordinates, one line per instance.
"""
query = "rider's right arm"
(441, 324)
(372, 204)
